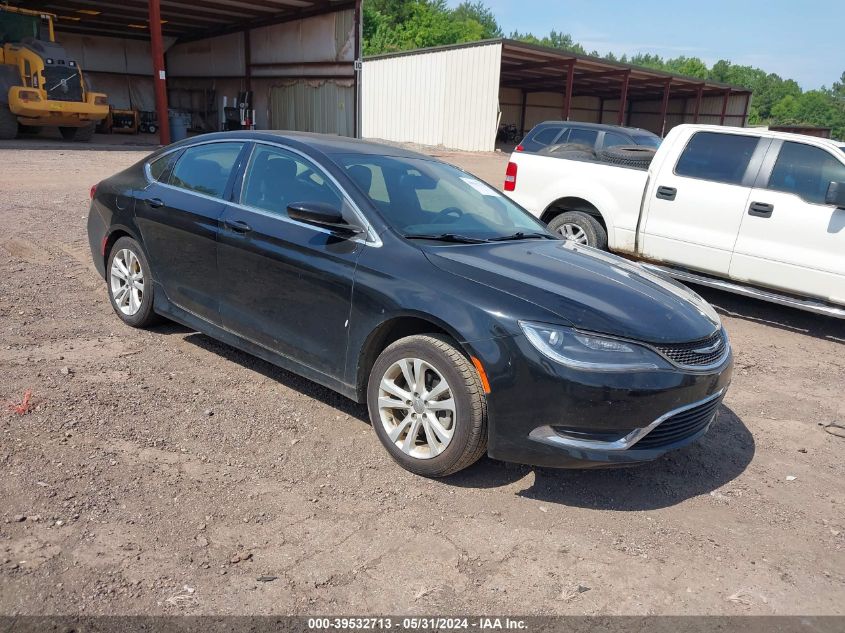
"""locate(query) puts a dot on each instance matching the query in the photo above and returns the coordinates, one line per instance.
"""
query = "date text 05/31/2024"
(419, 623)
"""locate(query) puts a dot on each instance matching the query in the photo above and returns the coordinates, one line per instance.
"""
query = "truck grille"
(681, 425)
(698, 354)
(62, 83)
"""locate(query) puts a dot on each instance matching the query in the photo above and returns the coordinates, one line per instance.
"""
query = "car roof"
(329, 144)
(598, 126)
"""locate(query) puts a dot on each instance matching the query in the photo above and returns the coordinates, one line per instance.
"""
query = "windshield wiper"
(523, 236)
(446, 237)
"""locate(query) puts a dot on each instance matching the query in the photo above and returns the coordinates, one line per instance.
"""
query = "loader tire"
(79, 134)
(8, 123)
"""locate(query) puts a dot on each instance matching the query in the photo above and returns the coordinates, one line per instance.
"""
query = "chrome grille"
(698, 354)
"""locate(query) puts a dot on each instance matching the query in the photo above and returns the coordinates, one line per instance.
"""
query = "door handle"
(761, 209)
(667, 193)
(155, 203)
(238, 226)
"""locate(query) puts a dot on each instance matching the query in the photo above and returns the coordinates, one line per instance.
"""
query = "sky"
(800, 39)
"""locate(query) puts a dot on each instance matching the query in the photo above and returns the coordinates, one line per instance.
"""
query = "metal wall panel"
(313, 106)
(447, 98)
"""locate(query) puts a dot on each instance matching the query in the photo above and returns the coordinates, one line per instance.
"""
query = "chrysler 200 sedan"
(406, 283)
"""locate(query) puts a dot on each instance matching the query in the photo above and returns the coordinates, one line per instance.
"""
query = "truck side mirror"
(836, 194)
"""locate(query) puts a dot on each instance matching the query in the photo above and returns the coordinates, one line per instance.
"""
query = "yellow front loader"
(40, 85)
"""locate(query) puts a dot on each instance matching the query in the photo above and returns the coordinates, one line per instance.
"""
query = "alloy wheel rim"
(417, 408)
(574, 233)
(127, 282)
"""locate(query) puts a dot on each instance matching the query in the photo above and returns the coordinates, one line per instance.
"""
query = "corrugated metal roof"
(543, 69)
(183, 19)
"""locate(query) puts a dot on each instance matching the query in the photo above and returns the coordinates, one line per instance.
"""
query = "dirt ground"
(162, 472)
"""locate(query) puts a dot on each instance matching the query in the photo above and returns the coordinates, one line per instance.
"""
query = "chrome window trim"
(372, 238)
(547, 435)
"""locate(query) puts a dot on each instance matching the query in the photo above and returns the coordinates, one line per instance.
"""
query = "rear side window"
(612, 139)
(806, 171)
(160, 166)
(206, 168)
(717, 157)
(546, 136)
(582, 137)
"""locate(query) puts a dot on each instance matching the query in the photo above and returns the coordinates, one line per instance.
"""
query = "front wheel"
(580, 228)
(8, 123)
(427, 406)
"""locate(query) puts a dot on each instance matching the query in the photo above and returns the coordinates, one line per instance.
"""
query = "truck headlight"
(590, 352)
(101, 100)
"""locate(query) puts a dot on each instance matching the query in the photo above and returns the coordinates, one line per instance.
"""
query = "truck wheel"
(8, 123)
(427, 406)
(580, 228)
(28, 129)
(80, 134)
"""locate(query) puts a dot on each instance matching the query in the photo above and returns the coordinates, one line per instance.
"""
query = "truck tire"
(628, 156)
(580, 228)
(28, 129)
(8, 123)
(79, 134)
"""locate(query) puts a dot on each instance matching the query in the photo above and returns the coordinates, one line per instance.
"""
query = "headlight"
(588, 351)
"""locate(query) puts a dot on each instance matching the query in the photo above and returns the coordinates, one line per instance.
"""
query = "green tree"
(478, 12)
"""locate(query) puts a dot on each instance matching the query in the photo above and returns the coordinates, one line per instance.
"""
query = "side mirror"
(323, 215)
(836, 194)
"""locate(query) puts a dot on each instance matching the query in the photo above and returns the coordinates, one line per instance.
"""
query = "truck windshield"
(426, 197)
(15, 27)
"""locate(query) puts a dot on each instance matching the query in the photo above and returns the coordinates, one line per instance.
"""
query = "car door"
(286, 285)
(696, 207)
(178, 215)
(789, 238)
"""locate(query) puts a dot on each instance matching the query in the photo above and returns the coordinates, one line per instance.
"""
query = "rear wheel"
(8, 123)
(131, 284)
(427, 406)
(580, 228)
(79, 134)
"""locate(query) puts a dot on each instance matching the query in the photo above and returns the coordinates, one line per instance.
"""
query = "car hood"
(587, 288)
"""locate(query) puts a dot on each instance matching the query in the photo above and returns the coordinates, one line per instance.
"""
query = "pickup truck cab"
(747, 210)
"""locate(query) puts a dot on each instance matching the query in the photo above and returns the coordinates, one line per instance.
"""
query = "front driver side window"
(806, 171)
(277, 178)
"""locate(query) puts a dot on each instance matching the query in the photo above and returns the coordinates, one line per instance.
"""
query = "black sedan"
(406, 283)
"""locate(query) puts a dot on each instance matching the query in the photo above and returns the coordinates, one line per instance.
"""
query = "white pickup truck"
(747, 210)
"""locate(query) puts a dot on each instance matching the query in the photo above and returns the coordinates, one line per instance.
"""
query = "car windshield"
(420, 197)
(647, 140)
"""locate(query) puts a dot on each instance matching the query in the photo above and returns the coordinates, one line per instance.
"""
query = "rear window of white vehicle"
(717, 157)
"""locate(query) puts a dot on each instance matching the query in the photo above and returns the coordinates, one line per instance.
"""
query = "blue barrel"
(179, 123)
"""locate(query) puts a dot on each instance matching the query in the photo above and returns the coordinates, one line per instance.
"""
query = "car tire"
(581, 228)
(8, 123)
(132, 304)
(628, 156)
(436, 437)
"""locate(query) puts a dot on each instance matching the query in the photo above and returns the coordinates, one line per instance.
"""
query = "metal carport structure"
(456, 95)
(237, 42)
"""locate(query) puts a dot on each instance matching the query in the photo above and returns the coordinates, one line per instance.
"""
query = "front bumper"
(545, 414)
(64, 113)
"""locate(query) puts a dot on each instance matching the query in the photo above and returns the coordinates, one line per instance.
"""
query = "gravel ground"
(162, 472)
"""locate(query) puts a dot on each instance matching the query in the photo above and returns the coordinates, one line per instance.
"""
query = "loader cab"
(18, 25)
